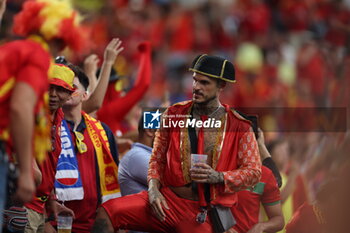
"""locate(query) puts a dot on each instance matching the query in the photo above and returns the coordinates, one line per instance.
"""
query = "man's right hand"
(157, 200)
(25, 188)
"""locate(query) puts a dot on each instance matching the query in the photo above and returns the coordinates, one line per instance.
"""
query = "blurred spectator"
(266, 192)
(314, 214)
(133, 167)
(279, 150)
(25, 128)
(327, 212)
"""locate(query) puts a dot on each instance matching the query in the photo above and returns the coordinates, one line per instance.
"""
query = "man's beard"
(204, 103)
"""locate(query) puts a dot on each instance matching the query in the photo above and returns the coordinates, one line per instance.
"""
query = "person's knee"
(103, 223)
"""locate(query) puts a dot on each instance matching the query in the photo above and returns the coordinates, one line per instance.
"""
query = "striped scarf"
(108, 169)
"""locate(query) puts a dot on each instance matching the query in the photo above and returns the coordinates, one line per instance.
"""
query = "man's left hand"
(203, 173)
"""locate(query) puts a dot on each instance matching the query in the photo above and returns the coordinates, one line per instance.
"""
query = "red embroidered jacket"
(236, 155)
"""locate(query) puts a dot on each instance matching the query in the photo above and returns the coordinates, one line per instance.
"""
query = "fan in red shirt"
(256, 21)
(247, 210)
(96, 164)
(266, 192)
(24, 66)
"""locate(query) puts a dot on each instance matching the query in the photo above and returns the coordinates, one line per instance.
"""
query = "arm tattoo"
(100, 226)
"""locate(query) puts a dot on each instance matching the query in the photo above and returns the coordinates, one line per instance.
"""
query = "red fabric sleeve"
(300, 192)
(35, 78)
(249, 165)
(158, 158)
(35, 72)
(303, 221)
(271, 193)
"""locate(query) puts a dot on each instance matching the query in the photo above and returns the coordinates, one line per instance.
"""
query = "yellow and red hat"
(51, 19)
(63, 76)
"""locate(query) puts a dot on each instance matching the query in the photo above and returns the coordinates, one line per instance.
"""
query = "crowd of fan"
(291, 58)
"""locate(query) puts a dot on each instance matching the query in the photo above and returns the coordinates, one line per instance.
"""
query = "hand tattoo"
(215, 177)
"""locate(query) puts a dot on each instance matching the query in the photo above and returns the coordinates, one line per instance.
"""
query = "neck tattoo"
(198, 112)
(211, 114)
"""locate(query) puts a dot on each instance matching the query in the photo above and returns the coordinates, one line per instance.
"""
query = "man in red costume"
(172, 203)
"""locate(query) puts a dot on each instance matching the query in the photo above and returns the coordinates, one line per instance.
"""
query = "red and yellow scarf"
(108, 169)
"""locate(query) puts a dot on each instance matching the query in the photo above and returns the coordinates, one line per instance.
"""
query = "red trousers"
(134, 212)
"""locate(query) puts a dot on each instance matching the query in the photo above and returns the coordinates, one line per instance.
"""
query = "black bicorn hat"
(214, 67)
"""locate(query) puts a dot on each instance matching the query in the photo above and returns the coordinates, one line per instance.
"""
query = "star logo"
(151, 120)
(155, 115)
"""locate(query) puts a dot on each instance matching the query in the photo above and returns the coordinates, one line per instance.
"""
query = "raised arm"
(121, 106)
(90, 69)
(96, 98)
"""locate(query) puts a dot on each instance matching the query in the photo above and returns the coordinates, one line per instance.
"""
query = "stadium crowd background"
(289, 54)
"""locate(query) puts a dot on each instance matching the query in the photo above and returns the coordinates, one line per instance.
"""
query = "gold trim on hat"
(223, 68)
(200, 59)
(211, 75)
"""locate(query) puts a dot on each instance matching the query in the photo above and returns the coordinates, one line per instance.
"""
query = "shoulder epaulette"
(182, 103)
(239, 116)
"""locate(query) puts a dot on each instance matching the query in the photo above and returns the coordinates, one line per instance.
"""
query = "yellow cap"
(62, 76)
